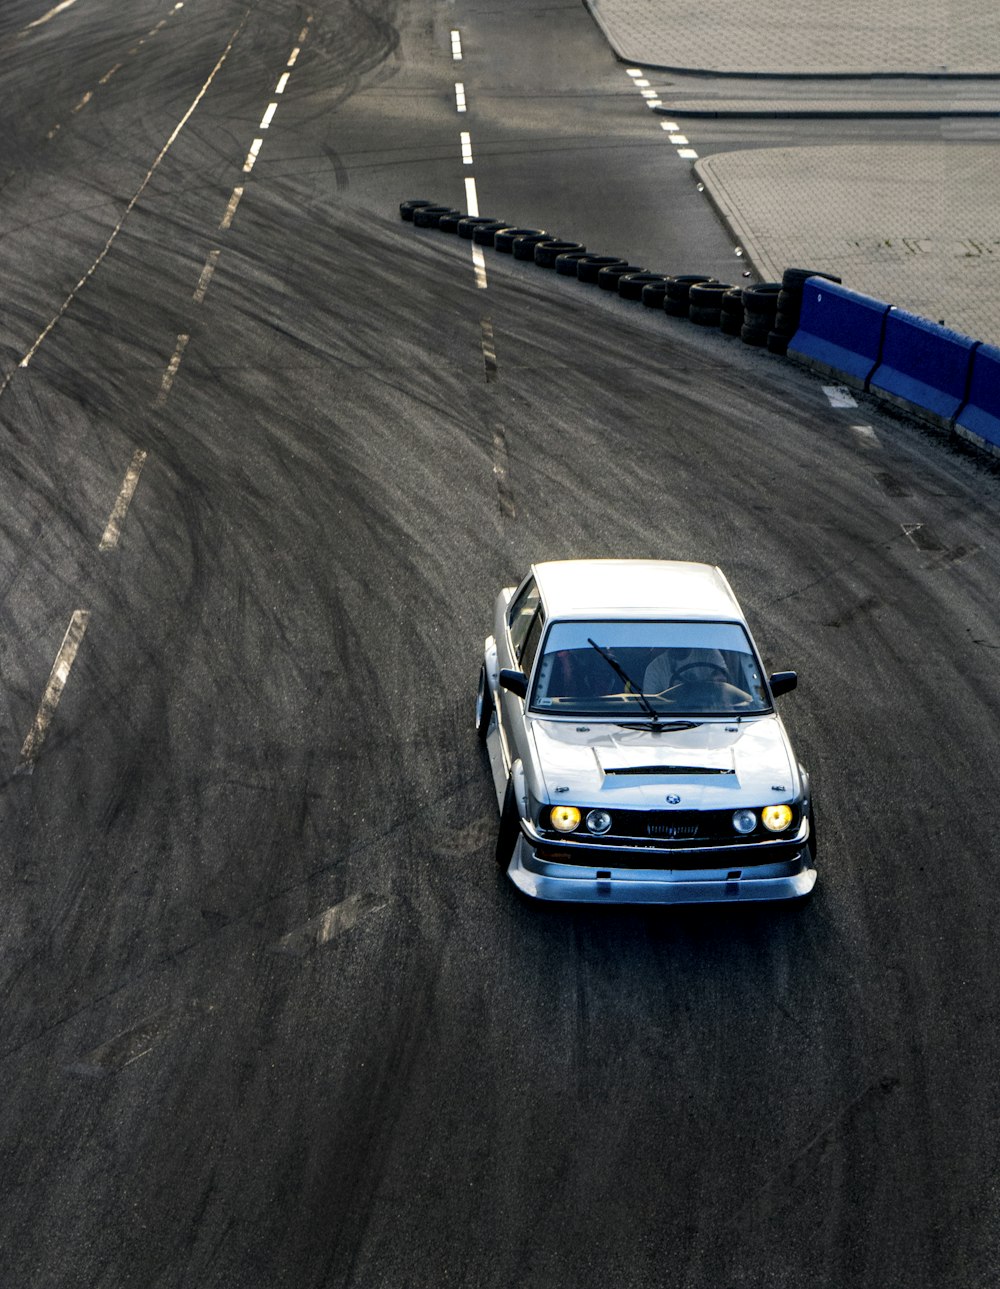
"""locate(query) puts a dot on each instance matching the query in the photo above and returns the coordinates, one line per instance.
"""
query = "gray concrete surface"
(854, 38)
(917, 225)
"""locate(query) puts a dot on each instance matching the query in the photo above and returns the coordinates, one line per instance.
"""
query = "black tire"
(524, 247)
(510, 828)
(811, 843)
(607, 278)
(703, 315)
(708, 295)
(483, 234)
(428, 216)
(484, 706)
(786, 324)
(468, 224)
(729, 325)
(503, 238)
(732, 302)
(566, 262)
(754, 335)
(789, 301)
(406, 208)
(589, 266)
(653, 294)
(630, 285)
(795, 278)
(777, 343)
(545, 252)
(761, 301)
(676, 301)
(449, 223)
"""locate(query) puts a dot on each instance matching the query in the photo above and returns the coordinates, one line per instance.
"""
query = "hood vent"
(668, 769)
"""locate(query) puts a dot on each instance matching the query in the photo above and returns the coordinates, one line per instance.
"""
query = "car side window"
(527, 656)
(522, 614)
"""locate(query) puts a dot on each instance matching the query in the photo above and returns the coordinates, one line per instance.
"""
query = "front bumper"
(536, 871)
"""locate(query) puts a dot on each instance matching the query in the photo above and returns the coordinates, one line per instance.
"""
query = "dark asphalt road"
(270, 1015)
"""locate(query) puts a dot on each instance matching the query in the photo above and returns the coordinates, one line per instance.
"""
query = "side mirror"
(782, 682)
(515, 681)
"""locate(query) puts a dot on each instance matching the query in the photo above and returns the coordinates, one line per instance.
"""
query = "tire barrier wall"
(938, 374)
(840, 332)
(979, 419)
(924, 368)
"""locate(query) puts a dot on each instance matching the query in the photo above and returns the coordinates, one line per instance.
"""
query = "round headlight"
(565, 818)
(744, 820)
(598, 821)
(776, 818)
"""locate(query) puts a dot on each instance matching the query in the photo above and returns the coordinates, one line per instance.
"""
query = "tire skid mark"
(501, 472)
(488, 345)
(332, 922)
(132, 1044)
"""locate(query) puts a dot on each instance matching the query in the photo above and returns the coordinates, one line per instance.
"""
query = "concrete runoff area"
(917, 225)
(921, 38)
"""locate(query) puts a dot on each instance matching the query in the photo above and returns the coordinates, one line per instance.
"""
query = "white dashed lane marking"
(839, 396)
(114, 526)
(866, 436)
(282, 82)
(466, 148)
(255, 148)
(459, 96)
(268, 116)
(172, 368)
(53, 690)
(234, 201)
(456, 46)
(108, 74)
(206, 275)
(47, 17)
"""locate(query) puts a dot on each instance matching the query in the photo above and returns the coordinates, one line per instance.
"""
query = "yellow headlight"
(776, 818)
(565, 818)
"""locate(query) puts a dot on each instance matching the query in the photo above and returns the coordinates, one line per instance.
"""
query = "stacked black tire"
(789, 307)
(760, 304)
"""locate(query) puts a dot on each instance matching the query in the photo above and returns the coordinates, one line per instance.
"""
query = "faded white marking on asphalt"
(647, 93)
(320, 930)
(489, 348)
(479, 266)
(839, 396)
(641, 83)
(47, 17)
(678, 138)
(206, 275)
(234, 201)
(687, 154)
(466, 148)
(459, 96)
(283, 81)
(108, 75)
(26, 360)
(670, 126)
(53, 690)
(501, 473)
(456, 46)
(172, 368)
(255, 147)
(304, 32)
(653, 102)
(114, 527)
(54, 131)
(633, 71)
(268, 116)
(866, 436)
(84, 101)
(292, 56)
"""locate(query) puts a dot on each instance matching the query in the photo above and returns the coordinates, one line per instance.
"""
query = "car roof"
(634, 588)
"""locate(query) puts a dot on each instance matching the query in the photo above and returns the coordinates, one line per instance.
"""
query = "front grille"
(672, 830)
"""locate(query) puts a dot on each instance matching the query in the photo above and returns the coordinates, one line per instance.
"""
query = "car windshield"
(682, 669)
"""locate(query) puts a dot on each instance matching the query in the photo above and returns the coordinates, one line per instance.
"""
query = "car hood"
(712, 766)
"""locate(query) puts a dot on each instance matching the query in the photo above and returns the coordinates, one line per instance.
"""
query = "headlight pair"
(567, 819)
(774, 819)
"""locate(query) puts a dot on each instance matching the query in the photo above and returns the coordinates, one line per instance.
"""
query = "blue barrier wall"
(924, 367)
(981, 414)
(840, 331)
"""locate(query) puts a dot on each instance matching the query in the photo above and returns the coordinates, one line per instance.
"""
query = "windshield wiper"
(622, 674)
(659, 725)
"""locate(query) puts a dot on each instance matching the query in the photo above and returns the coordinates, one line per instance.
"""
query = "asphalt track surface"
(271, 1015)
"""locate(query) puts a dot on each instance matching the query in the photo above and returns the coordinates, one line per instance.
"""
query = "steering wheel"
(723, 673)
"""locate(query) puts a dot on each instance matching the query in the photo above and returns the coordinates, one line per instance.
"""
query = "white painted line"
(268, 116)
(456, 46)
(47, 17)
(159, 27)
(292, 56)
(459, 96)
(670, 126)
(53, 690)
(641, 83)
(84, 101)
(114, 527)
(479, 266)
(633, 71)
(108, 75)
(255, 147)
(839, 396)
(304, 33)
(678, 138)
(280, 87)
(471, 196)
(687, 154)
(206, 275)
(466, 148)
(40, 339)
(178, 5)
(647, 93)
(653, 102)
(866, 436)
(172, 368)
(234, 201)
(54, 131)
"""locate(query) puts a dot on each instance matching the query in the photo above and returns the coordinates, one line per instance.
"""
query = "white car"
(635, 750)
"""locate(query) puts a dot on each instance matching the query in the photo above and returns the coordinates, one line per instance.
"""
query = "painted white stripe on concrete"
(172, 368)
(687, 154)
(206, 275)
(234, 201)
(670, 126)
(459, 96)
(456, 46)
(53, 690)
(679, 138)
(255, 148)
(280, 87)
(466, 148)
(114, 526)
(268, 116)
(633, 71)
(40, 339)
(839, 396)
(641, 83)
(471, 196)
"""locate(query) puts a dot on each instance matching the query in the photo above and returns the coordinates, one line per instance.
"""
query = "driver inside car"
(685, 667)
